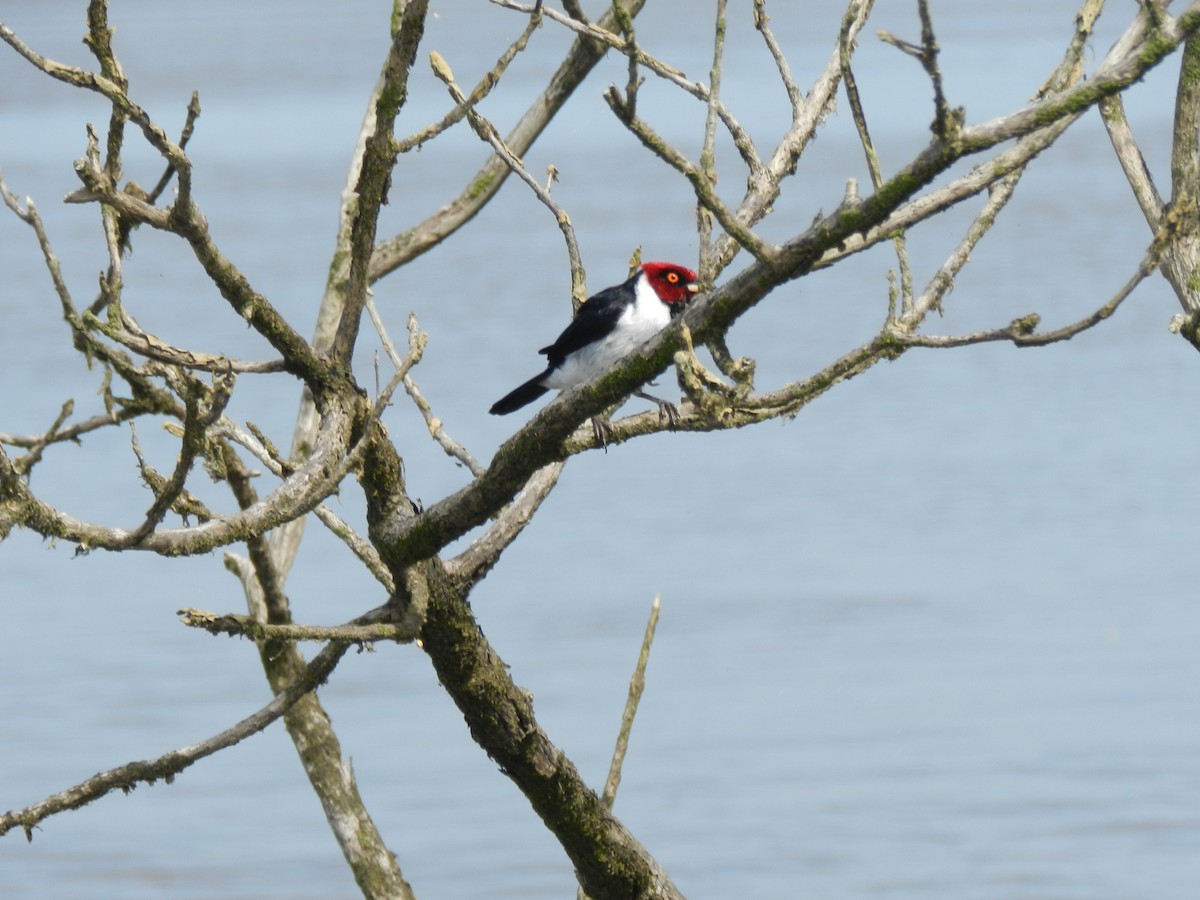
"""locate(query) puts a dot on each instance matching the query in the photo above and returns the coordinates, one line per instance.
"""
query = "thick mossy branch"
(608, 860)
(375, 175)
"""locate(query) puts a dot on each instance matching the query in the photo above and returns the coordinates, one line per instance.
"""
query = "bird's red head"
(672, 283)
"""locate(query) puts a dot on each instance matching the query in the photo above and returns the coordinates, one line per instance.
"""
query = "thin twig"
(705, 194)
(184, 503)
(915, 310)
(189, 126)
(637, 684)
(477, 560)
(708, 166)
(184, 218)
(761, 23)
(114, 92)
(249, 627)
(1021, 331)
(270, 457)
(630, 48)
(30, 216)
(872, 156)
(125, 778)
(437, 430)
(204, 406)
(307, 486)
(71, 432)
(765, 179)
(946, 121)
(25, 464)
(579, 60)
(1129, 154)
(741, 138)
(481, 89)
(131, 336)
(115, 227)
(487, 131)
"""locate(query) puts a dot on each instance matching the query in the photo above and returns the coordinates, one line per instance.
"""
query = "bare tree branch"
(375, 867)
(476, 561)
(307, 486)
(873, 167)
(638, 57)
(166, 767)
(1137, 173)
(1021, 331)
(608, 860)
(394, 252)
(708, 164)
(1182, 258)
(487, 131)
(761, 20)
(131, 336)
(184, 219)
(931, 297)
(204, 406)
(249, 627)
(375, 174)
(479, 92)
(946, 121)
(705, 192)
(637, 684)
(112, 91)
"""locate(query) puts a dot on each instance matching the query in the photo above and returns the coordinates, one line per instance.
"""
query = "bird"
(609, 325)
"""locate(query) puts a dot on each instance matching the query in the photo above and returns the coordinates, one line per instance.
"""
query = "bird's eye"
(673, 277)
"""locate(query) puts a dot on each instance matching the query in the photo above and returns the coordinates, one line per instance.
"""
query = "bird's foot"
(602, 431)
(668, 411)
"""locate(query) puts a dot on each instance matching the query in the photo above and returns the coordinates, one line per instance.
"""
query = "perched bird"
(609, 325)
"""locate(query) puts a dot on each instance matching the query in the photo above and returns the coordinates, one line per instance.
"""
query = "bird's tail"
(514, 400)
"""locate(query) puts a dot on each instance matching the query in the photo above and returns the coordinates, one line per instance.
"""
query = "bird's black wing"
(594, 320)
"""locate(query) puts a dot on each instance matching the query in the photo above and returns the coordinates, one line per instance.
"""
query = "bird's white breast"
(640, 321)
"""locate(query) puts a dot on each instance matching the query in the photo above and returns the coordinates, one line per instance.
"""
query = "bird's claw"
(668, 411)
(602, 431)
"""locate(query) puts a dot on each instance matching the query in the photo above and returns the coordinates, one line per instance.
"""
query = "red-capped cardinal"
(609, 325)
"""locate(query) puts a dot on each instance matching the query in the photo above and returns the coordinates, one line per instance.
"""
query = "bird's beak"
(677, 308)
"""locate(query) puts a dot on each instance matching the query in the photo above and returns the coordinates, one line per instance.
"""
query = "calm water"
(935, 638)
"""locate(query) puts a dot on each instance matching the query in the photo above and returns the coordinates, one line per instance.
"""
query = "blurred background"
(936, 637)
